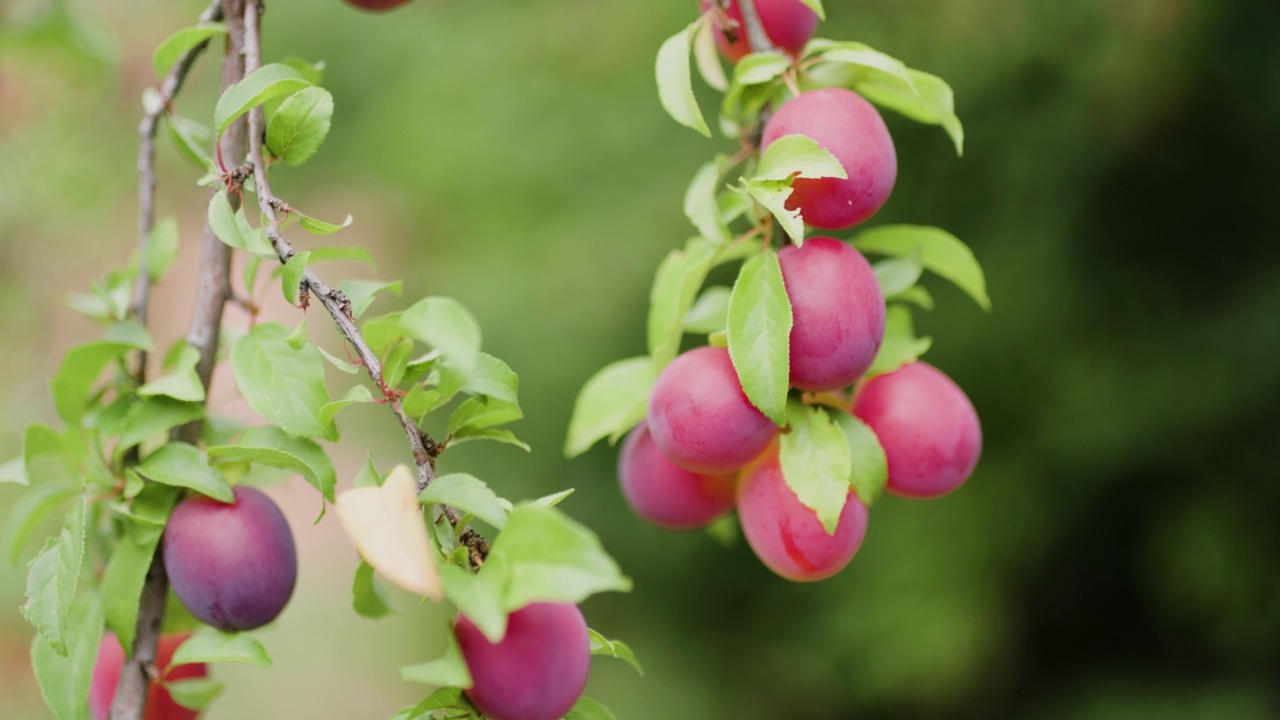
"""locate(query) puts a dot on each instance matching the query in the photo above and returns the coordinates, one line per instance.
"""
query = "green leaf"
(368, 598)
(46, 457)
(553, 499)
(710, 313)
(916, 295)
(760, 67)
(816, 7)
(554, 559)
(588, 709)
(191, 138)
(176, 45)
(14, 472)
(181, 384)
(707, 57)
(675, 286)
(938, 250)
(357, 394)
(612, 402)
(816, 462)
(870, 466)
(362, 292)
(448, 670)
(209, 645)
(152, 416)
(320, 227)
(195, 693)
(291, 278)
(52, 579)
(266, 82)
(797, 156)
(80, 369)
(312, 72)
(299, 126)
(501, 435)
(700, 204)
(270, 446)
(123, 579)
(395, 362)
(600, 645)
(760, 335)
(64, 678)
(341, 253)
(282, 384)
(479, 595)
(480, 413)
(494, 379)
(445, 324)
(897, 275)
(181, 465)
(469, 494)
(28, 511)
(162, 248)
(900, 345)
(151, 506)
(675, 82)
(446, 698)
(773, 195)
(233, 228)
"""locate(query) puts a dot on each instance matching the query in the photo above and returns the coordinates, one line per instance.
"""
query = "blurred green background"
(1117, 552)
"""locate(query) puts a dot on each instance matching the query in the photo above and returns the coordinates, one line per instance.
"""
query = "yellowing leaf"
(385, 524)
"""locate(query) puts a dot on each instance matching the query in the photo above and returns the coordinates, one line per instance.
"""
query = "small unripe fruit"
(847, 126)
(376, 5)
(539, 668)
(928, 428)
(160, 705)
(666, 494)
(233, 566)
(837, 313)
(700, 418)
(787, 536)
(789, 24)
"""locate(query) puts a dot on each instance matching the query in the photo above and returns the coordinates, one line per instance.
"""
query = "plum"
(376, 5)
(666, 494)
(232, 565)
(789, 24)
(847, 126)
(837, 313)
(928, 428)
(701, 419)
(787, 536)
(160, 705)
(539, 668)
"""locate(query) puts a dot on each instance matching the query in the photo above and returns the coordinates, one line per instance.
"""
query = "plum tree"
(666, 494)
(787, 536)
(837, 313)
(928, 428)
(232, 565)
(846, 125)
(539, 668)
(160, 705)
(376, 5)
(701, 419)
(789, 24)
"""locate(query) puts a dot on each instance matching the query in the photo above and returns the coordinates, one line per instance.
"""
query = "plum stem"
(756, 36)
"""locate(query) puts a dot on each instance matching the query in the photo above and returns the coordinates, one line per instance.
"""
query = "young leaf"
(469, 433)
(816, 462)
(162, 248)
(13, 472)
(610, 404)
(480, 413)
(448, 699)
(710, 312)
(445, 324)
(122, 581)
(675, 82)
(773, 195)
(478, 595)
(80, 369)
(233, 228)
(272, 447)
(916, 295)
(176, 45)
(362, 292)
(760, 67)
(181, 465)
(797, 156)
(900, 345)
(266, 82)
(46, 457)
(368, 598)
(870, 466)
(493, 378)
(588, 709)
(291, 278)
(52, 580)
(700, 204)
(28, 511)
(181, 384)
(385, 524)
(209, 645)
(816, 7)
(448, 670)
(299, 126)
(64, 678)
(368, 475)
(282, 384)
(357, 394)
(600, 645)
(554, 559)
(675, 286)
(320, 227)
(939, 251)
(191, 138)
(152, 416)
(897, 275)
(707, 57)
(553, 499)
(760, 335)
(469, 494)
(195, 693)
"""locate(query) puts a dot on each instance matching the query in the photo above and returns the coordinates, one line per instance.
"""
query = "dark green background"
(1115, 555)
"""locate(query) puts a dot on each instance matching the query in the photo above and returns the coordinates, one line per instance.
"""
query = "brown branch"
(212, 293)
(333, 300)
(756, 36)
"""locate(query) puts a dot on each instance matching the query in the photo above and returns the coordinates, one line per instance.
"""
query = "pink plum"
(666, 494)
(160, 705)
(789, 24)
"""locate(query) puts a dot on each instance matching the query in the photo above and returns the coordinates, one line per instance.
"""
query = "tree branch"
(756, 36)
(334, 301)
(212, 292)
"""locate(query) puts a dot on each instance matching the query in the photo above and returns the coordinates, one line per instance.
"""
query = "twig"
(756, 36)
(206, 321)
(333, 300)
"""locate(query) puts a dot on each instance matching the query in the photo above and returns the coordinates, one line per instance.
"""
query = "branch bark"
(212, 292)
(756, 36)
(333, 300)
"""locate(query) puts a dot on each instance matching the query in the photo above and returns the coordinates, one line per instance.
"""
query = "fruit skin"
(837, 313)
(233, 566)
(787, 536)
(666, 494)
(539, 668)
(700, 418)
(160, 705)
(928, 427)
(789, 24)
(376, 5)
(847, 126)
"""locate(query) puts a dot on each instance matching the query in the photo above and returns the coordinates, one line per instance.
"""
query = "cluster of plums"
(704, 449)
